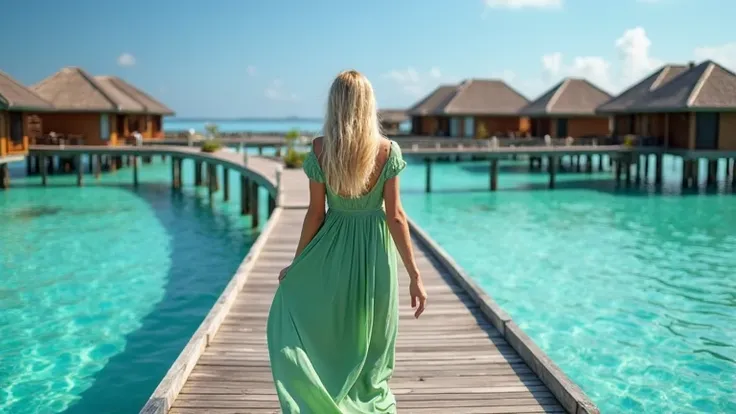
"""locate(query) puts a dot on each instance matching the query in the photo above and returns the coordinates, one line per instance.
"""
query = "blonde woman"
(333, 321)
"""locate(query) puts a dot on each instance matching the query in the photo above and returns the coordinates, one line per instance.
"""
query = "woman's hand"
(418, 295)
(282, 273)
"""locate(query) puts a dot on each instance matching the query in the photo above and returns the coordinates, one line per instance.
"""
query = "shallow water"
(631, 293)
(102, 286)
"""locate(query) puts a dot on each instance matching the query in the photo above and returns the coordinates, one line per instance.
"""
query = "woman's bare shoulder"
(317, 144)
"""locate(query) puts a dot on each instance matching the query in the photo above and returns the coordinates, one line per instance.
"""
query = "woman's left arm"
(312, 220)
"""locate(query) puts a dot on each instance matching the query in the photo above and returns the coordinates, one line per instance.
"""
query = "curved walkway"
(464, 355)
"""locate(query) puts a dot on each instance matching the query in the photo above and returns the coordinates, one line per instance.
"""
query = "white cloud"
(724, 54)
(415, 83)
(520, 4)
(126, 59)
(276, 92)
(251, 70)
(633, 49)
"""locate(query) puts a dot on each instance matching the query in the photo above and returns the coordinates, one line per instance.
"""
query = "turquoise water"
(632, 293)
(102, 286)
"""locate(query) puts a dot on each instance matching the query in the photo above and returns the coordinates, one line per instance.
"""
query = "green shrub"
(294, 158)
(291, 137)
(211, 145)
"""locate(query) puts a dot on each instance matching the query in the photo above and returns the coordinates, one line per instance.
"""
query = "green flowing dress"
(333, 322)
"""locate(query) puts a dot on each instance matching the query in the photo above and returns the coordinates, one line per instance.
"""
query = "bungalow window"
(469, 129)
(104, 127)
(454, 127)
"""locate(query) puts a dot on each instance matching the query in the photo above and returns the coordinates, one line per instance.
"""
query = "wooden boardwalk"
(450, 360)
(464, 355)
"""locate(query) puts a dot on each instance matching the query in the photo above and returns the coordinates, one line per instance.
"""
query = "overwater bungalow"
(391, 119)
(568, 109)
(149, 121)
(97, 111)
(19, 120)
(693, 109)
(475, 108)
(625, 122)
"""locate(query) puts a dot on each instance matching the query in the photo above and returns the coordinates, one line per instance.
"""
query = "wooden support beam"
(712, 178)
(552, 163)
(225, 184)
(134, 161)
(658, 170)
(600, 162)
(618, 166)
(174, 174)
(80, 170)
(494, 174)
(244, 203)
(44, 169)
(428, 177)
(254, 204)
(5, 176)
(98, 166)
(197, 173)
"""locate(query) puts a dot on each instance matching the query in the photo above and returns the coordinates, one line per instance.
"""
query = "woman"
(333, 321)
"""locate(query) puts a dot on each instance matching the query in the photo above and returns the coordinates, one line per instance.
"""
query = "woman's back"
(388, 163)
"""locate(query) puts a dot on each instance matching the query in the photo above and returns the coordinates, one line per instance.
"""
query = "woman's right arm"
(398, 226)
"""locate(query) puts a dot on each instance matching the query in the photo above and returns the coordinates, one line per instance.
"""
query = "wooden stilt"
(225, 184)
(600, 162)
(658, 170)
(552, 164)
(494, 174)
(134, 161)
(197, 173)
(627, 171)
(618, 171)
(98, 165)
(428, 177)
(646, 168)
(733, 173)
(5, 176)
(29, 167)
(254, 204)
(637, 170)
(695, 173)
(80, 170)
(244, 203)
(712, 177)
(211, 180)
(44, 169)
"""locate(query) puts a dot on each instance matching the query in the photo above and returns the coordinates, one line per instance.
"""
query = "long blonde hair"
(352, 135)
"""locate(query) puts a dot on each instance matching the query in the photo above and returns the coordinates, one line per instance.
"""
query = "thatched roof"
(572, 96)
(705, 87)
(394, 116)
(15, 96)
(148, 103)
(437, 98)
(73, 89)
(472, 97)
(625, 99)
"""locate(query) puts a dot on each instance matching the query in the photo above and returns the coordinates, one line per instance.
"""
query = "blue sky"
(235, 58)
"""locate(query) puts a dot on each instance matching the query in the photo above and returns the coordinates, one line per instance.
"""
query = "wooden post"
(44, 169)
(733, 173)
(5, 176)
(695, 173)
(197, 173)
(627, 171)
(712, 173)
(600, 162)
(98, 166)
(589, 164)
(134, 161)
(211, 179)
(658, 175)
(29, 168)
(552, 162)
(494, 174)
(113, 164)
(637, 170)
(254, 204)
(260, 150)
(244, 207)
(646, 167)
(428, 178)
(80, 170)
(225, 184)
(174, 173)
(577, 163)
(618, 170)
(685, 173)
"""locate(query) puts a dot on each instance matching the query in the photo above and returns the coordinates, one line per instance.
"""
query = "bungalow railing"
(59, 139)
